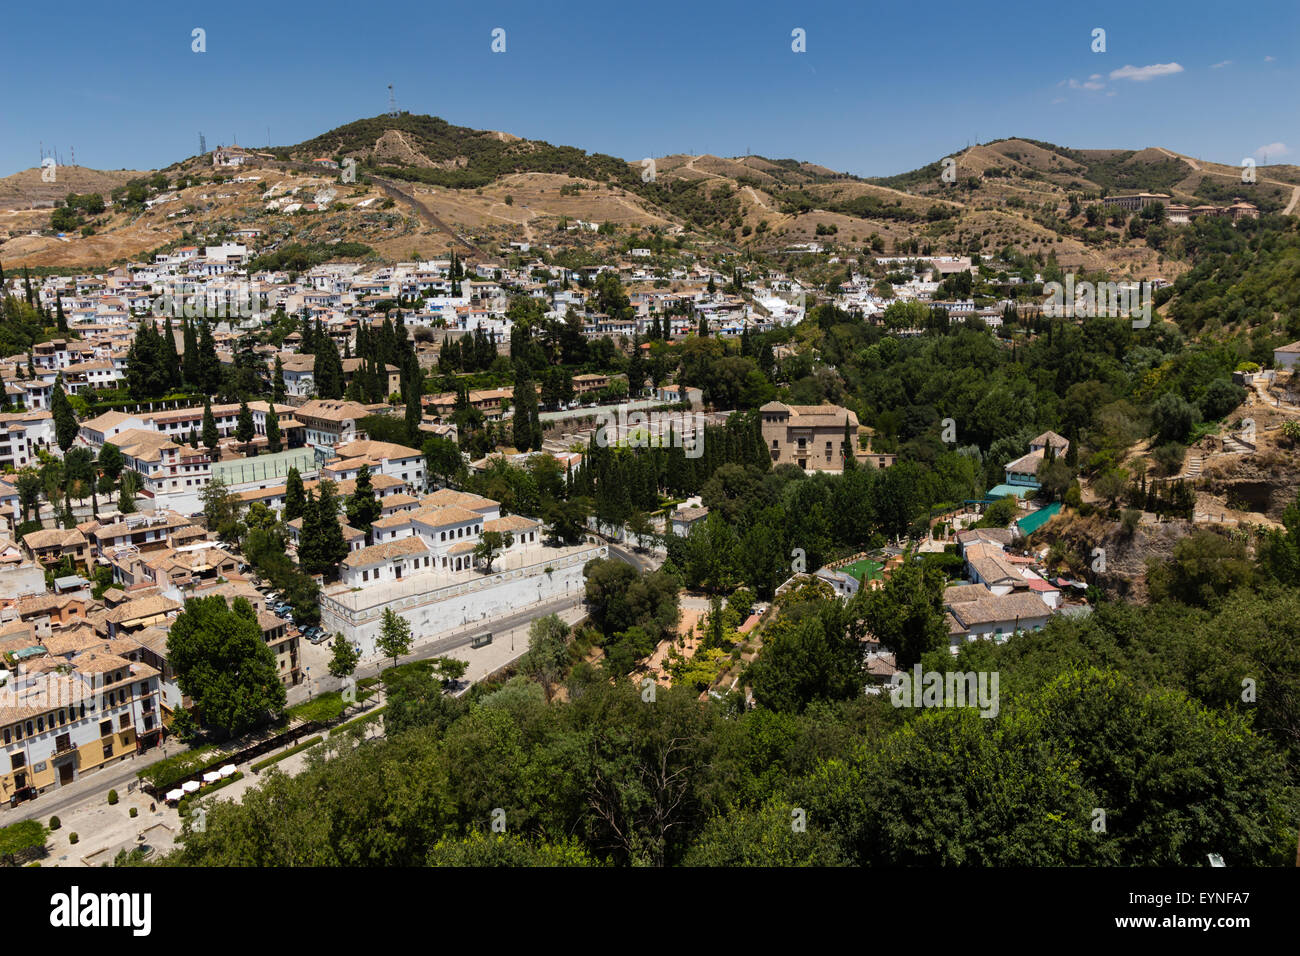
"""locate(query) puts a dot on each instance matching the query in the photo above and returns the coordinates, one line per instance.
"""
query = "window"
(105, 728)
(30, 729)
(124, 721)
(108, 749)
(40, 724)
(365, 575)
(18, 758)
(7, 740)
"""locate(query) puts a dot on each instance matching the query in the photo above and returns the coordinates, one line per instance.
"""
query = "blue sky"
(882, 87)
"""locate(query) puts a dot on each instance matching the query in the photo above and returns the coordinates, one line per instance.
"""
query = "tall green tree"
(65, 419)
(394, 635)
(211, 437)
(277, 382)
(244, 430)
(323, 546)
(274, 440)
(295, 500)
(906, 615)
(363, 508)
(327, 369)
(208, 373)
(111, 462)
(223, 664)
(344, 659)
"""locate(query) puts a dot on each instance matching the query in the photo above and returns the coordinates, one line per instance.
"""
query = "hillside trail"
(1295, 190)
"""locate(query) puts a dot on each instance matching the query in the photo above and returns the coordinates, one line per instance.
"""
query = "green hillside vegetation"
(1245, 278)
(486, 157)
(1157, 735)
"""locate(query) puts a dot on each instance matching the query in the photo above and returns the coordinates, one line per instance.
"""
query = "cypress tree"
(189, 355)
(277, 382)
(524, 399)
(294, 498)
(171, 362)
(210, 435)
(273, 442)
(363, 507)
(27, 286)
(309, 539)
(65, 419)
(411, 396)
(209, 366)
(61, 320)
(244, 430)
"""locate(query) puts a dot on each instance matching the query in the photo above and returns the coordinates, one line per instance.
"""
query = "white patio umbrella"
(174, 795)
(211, 776)
(228, 770)
(190, 786)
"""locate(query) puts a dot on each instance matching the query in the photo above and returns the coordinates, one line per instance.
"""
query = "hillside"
(438, 184)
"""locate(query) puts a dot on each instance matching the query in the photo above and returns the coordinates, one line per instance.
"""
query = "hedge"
(310, 742)
(377, 712)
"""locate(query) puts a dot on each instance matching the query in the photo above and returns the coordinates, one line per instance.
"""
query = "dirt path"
(1295, 190)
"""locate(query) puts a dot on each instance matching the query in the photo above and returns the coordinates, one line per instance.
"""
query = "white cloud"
(1272, 150)
(1143, 73)
(1268, 59)
(1220, 65)
(1059, 99)
(1093, 82)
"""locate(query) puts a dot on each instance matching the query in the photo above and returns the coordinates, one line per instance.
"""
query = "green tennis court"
(866, 566)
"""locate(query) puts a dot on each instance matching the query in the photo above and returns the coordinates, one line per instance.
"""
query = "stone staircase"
(1192, 465)
(1232, 445)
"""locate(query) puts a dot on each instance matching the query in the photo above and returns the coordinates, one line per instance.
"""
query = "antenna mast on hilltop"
(392, 101)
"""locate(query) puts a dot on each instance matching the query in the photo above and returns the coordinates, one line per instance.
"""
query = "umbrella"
(228, 770)
(211, 776)
(190, 786)
(174, 795)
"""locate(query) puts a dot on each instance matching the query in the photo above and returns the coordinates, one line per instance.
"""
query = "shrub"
(55, 823)
(73, 838)
(1169, 458)
(134, 812)
(112, 798)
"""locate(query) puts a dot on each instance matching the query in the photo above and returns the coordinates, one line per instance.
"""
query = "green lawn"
(866, 566)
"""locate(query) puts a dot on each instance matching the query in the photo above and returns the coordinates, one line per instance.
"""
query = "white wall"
(435, 619)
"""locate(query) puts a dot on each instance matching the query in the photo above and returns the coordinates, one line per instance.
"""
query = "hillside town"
(386, 492)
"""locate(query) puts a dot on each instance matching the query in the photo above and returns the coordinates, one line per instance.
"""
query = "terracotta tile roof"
(378, 553)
